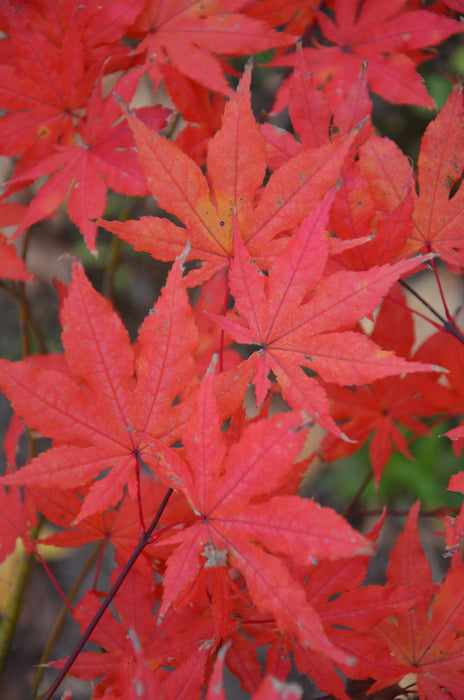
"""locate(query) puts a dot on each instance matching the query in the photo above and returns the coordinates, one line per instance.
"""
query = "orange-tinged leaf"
(301, 319)
(103, 157)
(236, 168)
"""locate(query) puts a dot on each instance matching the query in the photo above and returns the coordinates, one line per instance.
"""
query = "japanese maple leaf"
(102, 26)
(236, 168)
(298, 318)
(102, 158)
(118, 526)
(386, 403)
(100, 418)
(188, 33)
(239, 522)
(347, 608)
(385, 36)
(312, 117)
(439, 204)
(426, 641)
(438, 210)
(42, 87)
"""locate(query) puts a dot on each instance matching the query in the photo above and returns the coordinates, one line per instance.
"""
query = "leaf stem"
(448, 324)
(110, 596)
(52, 578)
(440, 289)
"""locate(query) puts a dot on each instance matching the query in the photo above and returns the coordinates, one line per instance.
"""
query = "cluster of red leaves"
(293, 238)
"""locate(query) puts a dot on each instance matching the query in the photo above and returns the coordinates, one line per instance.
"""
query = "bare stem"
(448, 325)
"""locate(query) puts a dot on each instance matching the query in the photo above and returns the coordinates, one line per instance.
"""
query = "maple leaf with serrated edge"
(312, 118)
(348, 609)
(236, 168)
(119, 527)
(383, 35)
(43, 87)
(298, 318)
(99, 418)
(240, 523)
(188, 34)
(427, 640)
(439, 205)
(82, 172)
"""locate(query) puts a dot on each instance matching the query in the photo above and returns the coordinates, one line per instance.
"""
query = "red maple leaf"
(119, 526)
(236, 168)
(239, 522)
(102, 157)
(427, 640)
(312, 117)
(348, 609)
(439, 204)
(100, 418)
(43, 86)
(189, 34)
(298, 318)
(385, 36)
(17, 517)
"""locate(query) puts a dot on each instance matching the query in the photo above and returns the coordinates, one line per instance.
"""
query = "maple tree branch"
(62, 616)
(110, 596)
(376, 512)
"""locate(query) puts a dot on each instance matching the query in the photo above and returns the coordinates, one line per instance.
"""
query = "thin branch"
(62, 616)
(114, 589)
